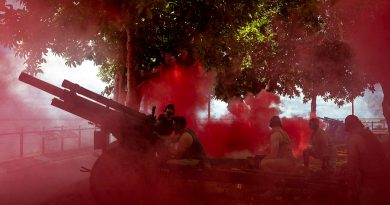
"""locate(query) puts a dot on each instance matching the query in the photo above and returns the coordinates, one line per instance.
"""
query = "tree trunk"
(120, 87)
(132, 95)
(116, 86)
(313, 110)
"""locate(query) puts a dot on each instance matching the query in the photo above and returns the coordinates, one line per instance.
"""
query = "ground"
(75, 194)
(57, 180)
(79, 193)
(37, 180)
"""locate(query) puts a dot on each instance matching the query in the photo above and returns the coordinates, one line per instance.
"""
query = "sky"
(25, 106)
(85, 75)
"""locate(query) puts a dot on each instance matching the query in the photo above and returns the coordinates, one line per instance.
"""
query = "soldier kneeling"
(280, 158)
(320, 148)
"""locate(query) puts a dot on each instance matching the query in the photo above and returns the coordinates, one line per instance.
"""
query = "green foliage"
(107, 75)
(260, 28)
(331, 73)
(284, 46)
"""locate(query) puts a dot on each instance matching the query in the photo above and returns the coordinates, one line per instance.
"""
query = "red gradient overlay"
(367, 30)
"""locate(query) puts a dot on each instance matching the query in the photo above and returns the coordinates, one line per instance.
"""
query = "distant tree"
(329, 69)
(366, 28)
(331, 73)
(310, 57)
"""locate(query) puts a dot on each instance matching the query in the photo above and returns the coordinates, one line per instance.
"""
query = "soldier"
(168, 115)
(320, 147)
(164, 131)
(368, 169)
(169, 111)
(280, 157)
(187, 149)
(164, 125)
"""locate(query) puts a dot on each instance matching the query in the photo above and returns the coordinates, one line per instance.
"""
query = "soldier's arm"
(182, 145)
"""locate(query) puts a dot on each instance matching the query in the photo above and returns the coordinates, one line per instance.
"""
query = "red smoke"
(244, 130)
(187, 88)
(299, 132)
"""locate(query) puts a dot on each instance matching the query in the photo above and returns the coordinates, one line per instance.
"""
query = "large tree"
(252, 45)
(124, 38)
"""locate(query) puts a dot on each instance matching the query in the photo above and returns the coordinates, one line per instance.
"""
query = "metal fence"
(371, 123)
(34, 141)
(27, 142)
(375, 123)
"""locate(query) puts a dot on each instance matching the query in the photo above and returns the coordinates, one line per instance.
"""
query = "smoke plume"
(243, 130)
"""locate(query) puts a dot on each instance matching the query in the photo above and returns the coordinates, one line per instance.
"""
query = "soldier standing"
(368, 169)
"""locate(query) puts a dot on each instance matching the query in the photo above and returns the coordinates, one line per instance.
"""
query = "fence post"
(21, 143)
(79, 136)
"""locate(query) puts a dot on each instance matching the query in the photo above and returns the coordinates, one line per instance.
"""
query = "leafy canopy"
(252, 45)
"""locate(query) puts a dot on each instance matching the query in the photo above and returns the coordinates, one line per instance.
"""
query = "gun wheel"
(123, 176)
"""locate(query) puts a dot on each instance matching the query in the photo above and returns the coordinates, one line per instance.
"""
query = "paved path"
(39, 180)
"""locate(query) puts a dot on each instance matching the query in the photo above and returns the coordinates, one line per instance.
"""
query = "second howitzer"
(124, 123)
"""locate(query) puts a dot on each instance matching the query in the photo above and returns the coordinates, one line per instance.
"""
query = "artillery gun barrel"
(331, 120)
(42, 85)
(103, 112)
(98, 98)
(117, 123)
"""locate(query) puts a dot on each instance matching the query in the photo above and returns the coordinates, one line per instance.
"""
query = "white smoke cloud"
(23, 105)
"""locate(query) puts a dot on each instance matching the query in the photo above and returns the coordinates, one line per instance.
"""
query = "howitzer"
(331, 121)
(336, 130)
(105, 113)
(126, 157)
